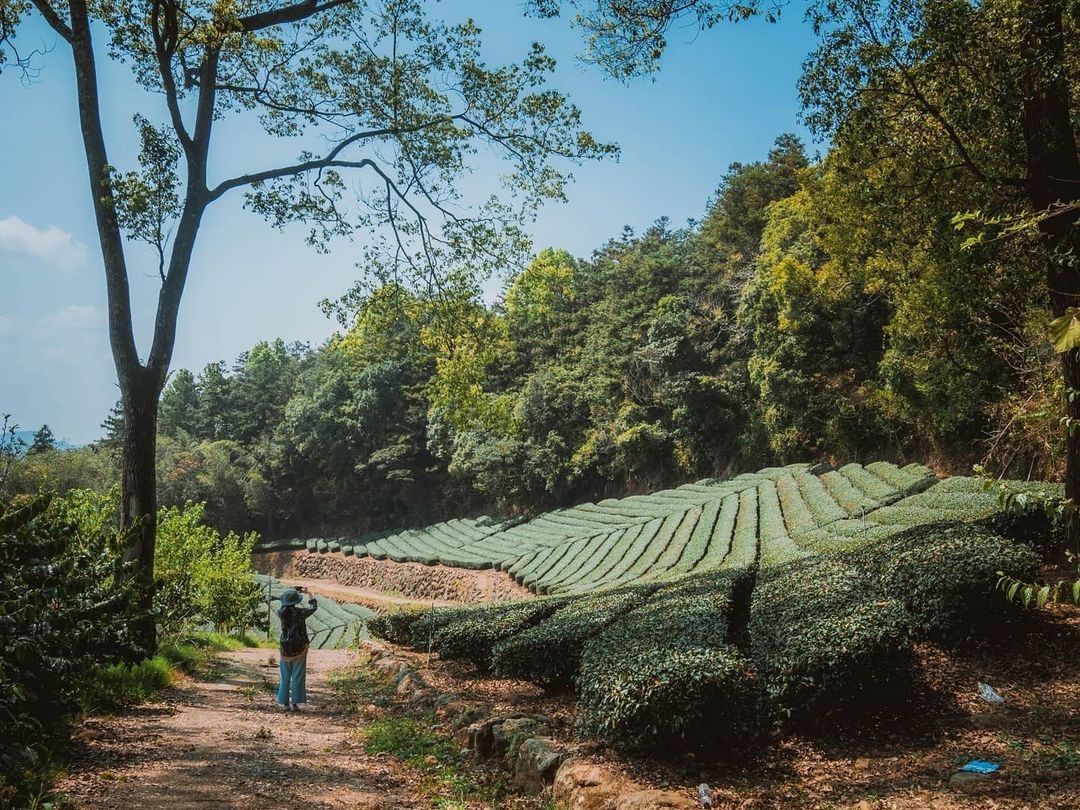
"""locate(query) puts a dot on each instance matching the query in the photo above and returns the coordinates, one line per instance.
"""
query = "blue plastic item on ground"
(980, 766)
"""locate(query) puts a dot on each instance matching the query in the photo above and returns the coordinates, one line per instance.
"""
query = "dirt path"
(223, 743)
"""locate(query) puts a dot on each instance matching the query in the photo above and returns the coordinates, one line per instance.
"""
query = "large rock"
(508, 735)
(477, 737)
(537, 760)
(581, 785)
(656, 800)
(409, 683)
(390, 668)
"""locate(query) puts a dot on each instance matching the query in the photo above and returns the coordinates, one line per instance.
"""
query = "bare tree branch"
(53, 19)
(165, 46)
(329, 161)
(287, 14)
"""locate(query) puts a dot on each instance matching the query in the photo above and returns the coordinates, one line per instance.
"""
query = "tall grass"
(113, 687)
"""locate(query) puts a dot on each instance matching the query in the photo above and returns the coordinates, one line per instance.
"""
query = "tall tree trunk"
(139, 485)
(1053, 183)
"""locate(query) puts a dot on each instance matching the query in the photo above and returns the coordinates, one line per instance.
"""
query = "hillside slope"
(772, 516)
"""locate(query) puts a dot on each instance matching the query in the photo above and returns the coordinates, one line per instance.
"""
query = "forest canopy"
(798, 319)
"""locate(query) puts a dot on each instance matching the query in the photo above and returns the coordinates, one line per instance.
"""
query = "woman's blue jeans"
(293, 686)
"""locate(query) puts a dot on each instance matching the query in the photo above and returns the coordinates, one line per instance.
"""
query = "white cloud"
(51, 244)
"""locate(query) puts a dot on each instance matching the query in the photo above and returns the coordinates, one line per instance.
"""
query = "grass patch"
(449, 781)
(113, 687)
(120, 685)
(358, 687)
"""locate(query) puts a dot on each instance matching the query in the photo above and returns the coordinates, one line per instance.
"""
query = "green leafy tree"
(178, 411)
(43, 440)
(202, 576)
(381, 91)
(986, 96)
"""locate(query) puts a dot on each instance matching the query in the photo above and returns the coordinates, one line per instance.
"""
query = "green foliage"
(669, 669)
(472, 633)
(122, 684)
(1065, 330)
(944, 576)
(825, 640)
(202, 576)
(550, 652)
(117, 685)
(399, 626)
(65, 610)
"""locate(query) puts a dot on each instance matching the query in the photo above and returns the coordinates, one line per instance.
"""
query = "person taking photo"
(292, 691)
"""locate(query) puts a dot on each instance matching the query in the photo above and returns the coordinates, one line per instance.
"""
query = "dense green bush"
(668, 670)
(1034, 525)
(944, 576)
(397, 625)
(201, 576)
(550, 652)
(472, 632)
(823, 638)
(65, 611)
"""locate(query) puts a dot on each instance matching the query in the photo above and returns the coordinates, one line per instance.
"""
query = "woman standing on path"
(292, 691)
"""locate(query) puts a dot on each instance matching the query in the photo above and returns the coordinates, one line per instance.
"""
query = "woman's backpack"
(294, 637)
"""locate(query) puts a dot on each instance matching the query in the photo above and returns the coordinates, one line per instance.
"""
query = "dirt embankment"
(408, 580)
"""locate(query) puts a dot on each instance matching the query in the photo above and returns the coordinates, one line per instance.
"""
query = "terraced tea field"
(333, 625)
(772, 516)
(720, 607)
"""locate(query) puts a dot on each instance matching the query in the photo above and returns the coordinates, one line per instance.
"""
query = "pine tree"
(43, 440)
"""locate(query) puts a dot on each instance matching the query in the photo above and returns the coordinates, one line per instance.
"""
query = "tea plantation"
(774, 515)
(792, 594)
(333, 625)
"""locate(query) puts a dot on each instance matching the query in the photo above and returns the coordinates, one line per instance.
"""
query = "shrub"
(822, 637)
(397, 625)
(472, 632)
(550, 652)
(667, 670)
(64, 611)
(1031, 525)
(944, 576)
(203, 576)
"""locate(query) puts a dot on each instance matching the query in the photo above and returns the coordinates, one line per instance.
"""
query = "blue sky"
(722, 96)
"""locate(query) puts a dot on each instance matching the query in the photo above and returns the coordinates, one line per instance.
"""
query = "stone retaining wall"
(410, 580)
(520, 744)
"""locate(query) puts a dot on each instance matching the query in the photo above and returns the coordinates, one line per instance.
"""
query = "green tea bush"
(472, 632)
(667, 670)
(823, 638)
(65, 610)
(1031, 525)
(944, 575)
(550, 652)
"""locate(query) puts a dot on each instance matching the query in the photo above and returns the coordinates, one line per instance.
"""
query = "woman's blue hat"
(290, 597)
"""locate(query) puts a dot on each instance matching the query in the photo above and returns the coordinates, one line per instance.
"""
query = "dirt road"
(223, 743)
